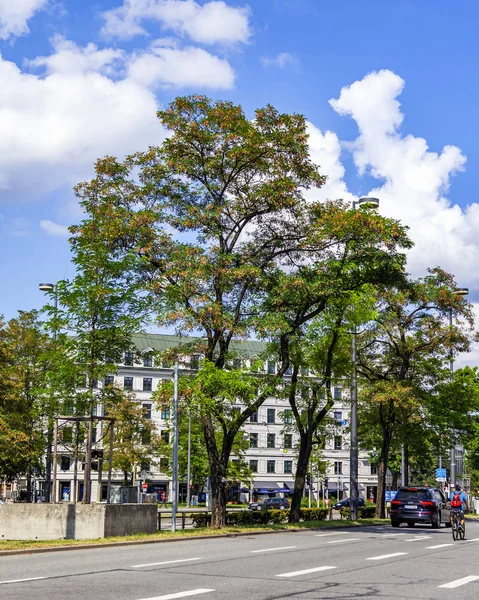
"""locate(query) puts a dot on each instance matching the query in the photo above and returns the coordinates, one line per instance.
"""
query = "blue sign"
(441, 474)
(389, 495)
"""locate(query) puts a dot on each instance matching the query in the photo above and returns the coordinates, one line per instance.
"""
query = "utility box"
(128, 494)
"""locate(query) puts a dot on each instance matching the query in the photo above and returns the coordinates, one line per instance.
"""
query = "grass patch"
(187, 533)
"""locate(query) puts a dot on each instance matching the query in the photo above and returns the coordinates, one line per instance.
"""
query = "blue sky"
(390, 90)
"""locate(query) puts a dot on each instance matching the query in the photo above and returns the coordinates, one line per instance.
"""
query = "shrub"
(364, 512)
(314, 514)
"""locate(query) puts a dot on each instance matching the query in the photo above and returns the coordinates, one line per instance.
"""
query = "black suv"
(420, 505)
(270, 504)
(344, 503)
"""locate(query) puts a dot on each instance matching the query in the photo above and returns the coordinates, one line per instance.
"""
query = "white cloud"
(187, 67)
(210, 23)
(14, 15)
(283, 59)
(413, 180)
(54, 229)
(55, 126)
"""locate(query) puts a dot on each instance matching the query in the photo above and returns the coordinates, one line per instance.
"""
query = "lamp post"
(458, 292)
(366, 202)
(50, 287)
(188, 469)
(174, 499)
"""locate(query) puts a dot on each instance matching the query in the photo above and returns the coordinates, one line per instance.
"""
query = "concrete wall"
(75, 521)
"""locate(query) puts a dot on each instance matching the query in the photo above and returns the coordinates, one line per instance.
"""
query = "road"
(374, 562)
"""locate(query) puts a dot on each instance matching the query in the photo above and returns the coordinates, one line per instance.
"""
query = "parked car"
(270, 504)
(344, 503)
(421, 504)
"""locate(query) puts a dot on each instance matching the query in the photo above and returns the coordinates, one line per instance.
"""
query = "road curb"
(178, 539)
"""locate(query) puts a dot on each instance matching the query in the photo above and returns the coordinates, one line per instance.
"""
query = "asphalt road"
(374, 562)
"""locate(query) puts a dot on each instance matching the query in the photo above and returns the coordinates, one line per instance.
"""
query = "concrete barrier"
(75, 521)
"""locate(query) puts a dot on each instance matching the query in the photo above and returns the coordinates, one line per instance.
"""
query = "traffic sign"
(144, 486)
(440, 474)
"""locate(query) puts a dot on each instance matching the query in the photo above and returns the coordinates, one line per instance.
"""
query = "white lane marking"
(438, 546)
(335, 533)
(166, 562)
(392, 534)
(181, 594)
(305, 572)
(343, 540)
(417, 539)
(383, 556)
(459, 582)
(473, 540)
(20, 580)
(273, 549)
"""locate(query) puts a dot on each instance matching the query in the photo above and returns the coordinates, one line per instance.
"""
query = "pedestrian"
(163, 499)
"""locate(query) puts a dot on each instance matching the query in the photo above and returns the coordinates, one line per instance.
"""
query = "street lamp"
(462, 292)
(49, 287)
(366, 202)
(174, 499)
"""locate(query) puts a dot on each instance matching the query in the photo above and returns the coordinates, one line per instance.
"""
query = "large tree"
(25, 403)
(405, 354)
(212, 217)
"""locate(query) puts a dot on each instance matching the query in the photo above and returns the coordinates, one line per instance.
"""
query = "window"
(128, 383)
(164, 464)
(271, 415)
(166, 364)
(95, 383)
(288, 371)
(338, 442)
(271, 466)
(65, 463)
(253, 440)
(147, 411)
(109, 380)
(253, 465)
(94, 435)
(67, 434)
(145, 467)
(147, 360)
(288, 440)
(145, 436)
(165, 436)
(374, 469)
(129, 359)
(288, 417)
(288, 466)
(271, 367)
(338, 416)
(305, 371)
(270, 440)
(165, 413)
(338, 467)
(236, 364)
(147, 384)
(337, 393)
(253, 418)
(195, 362)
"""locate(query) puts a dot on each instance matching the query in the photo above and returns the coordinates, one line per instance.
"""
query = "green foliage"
(26, 354)
(364, 512)
(257, 517)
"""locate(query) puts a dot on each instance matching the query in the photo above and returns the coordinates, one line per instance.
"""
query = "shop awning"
(266, 485)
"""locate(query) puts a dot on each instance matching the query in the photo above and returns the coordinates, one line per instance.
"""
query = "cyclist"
(458, 503)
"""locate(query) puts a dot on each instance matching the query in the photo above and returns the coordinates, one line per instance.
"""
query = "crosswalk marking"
(383, 556)
(181, 594)
(21, 580)
(459, 582)
(273, 549)
(166, 562)
(343, 540)
(305, 571)
(418, 539)
(334, 533)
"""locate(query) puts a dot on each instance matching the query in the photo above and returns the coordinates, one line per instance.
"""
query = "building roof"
(161, 342)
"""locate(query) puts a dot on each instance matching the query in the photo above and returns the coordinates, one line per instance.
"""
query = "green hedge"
(260, 517)
(364, 512)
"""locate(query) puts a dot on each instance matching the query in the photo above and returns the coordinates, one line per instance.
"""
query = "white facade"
(272, 453)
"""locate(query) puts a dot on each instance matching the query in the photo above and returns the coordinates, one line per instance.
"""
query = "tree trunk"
(305, 449)
(395, 479)
(382, 469)
(218, 465)
(406, 464)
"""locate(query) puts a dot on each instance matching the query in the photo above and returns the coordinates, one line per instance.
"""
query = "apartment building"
(272, 437)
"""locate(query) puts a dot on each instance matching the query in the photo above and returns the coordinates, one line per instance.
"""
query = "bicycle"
(458, 529)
